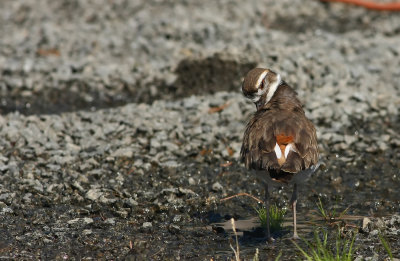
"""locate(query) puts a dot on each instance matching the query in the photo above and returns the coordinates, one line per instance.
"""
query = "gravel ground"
(121, 122)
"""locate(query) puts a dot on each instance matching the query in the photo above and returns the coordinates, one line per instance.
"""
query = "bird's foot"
(295, 237)
(270, 239)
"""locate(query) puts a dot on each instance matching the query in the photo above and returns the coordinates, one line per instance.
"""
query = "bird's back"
(279, 138)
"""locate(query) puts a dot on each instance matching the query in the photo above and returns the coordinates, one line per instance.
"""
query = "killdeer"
(279, 143)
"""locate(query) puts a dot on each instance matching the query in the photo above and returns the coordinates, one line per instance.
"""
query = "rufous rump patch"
(282, 139)
(283, 142)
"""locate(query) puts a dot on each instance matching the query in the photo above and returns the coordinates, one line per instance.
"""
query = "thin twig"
(156, 253)
(226, 164)
(218, 109)
(242, 194)
(395, 6)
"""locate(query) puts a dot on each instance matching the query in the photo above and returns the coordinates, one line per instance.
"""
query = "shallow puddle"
(367, 191)
(250, 234)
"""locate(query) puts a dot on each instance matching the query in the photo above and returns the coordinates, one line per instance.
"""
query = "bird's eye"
(250, 95)
(261, 85)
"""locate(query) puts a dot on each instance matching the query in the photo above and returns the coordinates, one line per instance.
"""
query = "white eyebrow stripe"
(258, 83)
(278, 151)
(261, 78)
(273, 88)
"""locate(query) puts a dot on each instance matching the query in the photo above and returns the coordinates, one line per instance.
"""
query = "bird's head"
(259, 85)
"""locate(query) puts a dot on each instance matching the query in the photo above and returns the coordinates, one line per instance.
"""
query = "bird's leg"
(293, 201)
(267, 203)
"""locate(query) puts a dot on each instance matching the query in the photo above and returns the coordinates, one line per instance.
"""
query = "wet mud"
(121, 124)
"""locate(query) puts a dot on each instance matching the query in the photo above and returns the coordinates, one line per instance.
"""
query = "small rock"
(170, 164)
(186, 191)
(3, 159)
(177, 218)
(78, 186)
(365, 224)
(122, 213)
(170, 146)
(131, 202)
(373, 258)
(123, 152)
(382, 145)
(87, 232)
(380, 224)
(337, 180)
(174, 228)
(106, 200)
(93, 194)
(3, 167)
(349, 139)
(6, 195)
(147, 225)
(155, 143)
(359, 258)
(374, 232)
(72, 147)
(217, 186)
(7, 210)
(394, 220)
(192, 181)
(73, 221)
(110, 221)
(85, 221)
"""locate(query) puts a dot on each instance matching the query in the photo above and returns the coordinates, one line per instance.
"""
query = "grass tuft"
(332, 215)
(386, 246)
(319, 249)
(276, 217)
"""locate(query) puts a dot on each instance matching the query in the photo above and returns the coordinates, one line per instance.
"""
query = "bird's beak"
(259, 104)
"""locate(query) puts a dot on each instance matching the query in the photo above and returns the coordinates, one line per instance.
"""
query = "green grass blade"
(276, 215)
(321, 208)
(279, 256)
(302, 251)
(386, 246)
(321, 250)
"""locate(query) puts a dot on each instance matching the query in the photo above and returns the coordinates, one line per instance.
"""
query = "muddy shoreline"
(121, 124)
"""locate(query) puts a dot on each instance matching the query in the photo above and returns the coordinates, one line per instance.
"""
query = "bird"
(279, 142)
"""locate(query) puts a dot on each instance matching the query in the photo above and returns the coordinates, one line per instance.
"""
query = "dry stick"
(371, 5)
(242, 194)
(237, 253)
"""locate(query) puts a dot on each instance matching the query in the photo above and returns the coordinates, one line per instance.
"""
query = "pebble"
(110, 221)
(191, 181)
(123, 152)
(87, 232)
(147, 225)
(177, 219)
(84, 221)
(93, 194)
(170, 164)
(7, 210)
(217, 186)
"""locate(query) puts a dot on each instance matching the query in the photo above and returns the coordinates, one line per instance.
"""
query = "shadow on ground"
(194, 77)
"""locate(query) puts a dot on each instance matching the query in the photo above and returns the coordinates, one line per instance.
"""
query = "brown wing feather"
(260, 138)
(258, 145)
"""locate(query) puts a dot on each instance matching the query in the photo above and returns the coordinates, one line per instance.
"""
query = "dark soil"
(121, 124)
